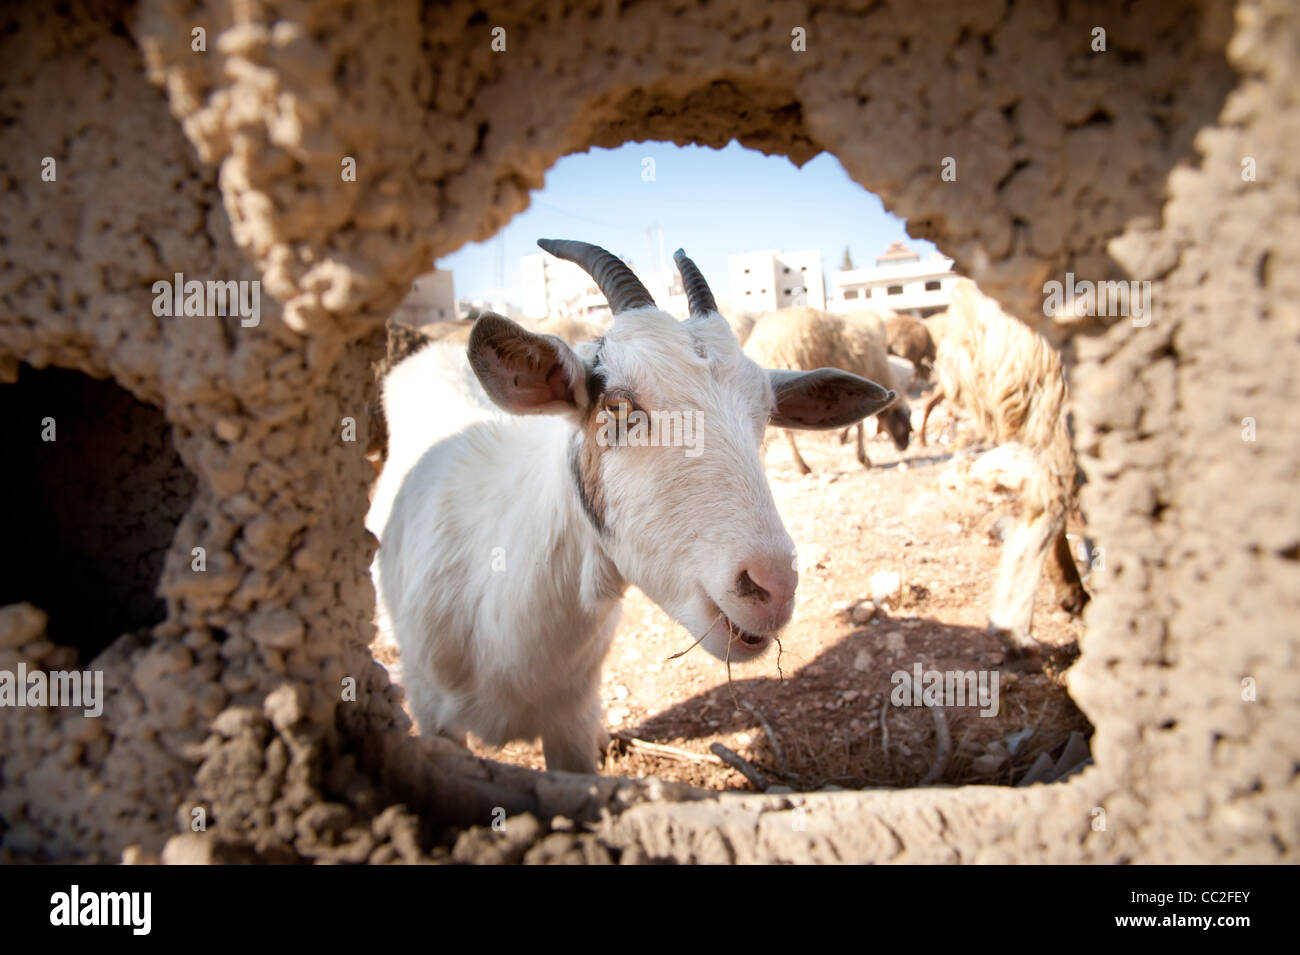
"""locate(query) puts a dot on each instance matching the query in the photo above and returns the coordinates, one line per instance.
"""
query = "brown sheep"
(908, 337)
(804, 339)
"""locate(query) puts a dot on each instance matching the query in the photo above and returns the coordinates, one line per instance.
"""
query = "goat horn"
(621, 288)
(698, 295)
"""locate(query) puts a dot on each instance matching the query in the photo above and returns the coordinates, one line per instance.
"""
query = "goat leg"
(798, 458)
(1064, 575)
(929, 406)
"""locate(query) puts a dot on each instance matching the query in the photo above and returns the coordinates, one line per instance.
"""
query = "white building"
(900, 280)
(558, 288)
(469, 307)
(770, 279)
(432, 298)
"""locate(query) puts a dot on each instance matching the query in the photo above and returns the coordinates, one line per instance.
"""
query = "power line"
(572, 215)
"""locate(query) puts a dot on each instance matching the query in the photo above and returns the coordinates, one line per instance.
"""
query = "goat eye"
(618, 407)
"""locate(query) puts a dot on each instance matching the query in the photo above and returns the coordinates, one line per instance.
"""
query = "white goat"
(506, 546)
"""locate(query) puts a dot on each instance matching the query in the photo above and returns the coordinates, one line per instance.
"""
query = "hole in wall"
(830, 713)
(93, 503)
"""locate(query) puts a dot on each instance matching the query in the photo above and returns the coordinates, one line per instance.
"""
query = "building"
(770, 279)
(667, 290)
(558, 288)
(472, 307)
(432, 298)
(900, 280)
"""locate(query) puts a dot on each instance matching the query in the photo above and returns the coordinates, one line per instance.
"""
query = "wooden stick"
(777, 749)
(942, 741)
(672, 752)
(942, 744)
(740, 765)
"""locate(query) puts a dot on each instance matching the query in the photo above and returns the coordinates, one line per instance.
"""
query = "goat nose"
(769, 581)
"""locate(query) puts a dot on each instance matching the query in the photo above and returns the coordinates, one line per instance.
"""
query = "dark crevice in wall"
(93, 511)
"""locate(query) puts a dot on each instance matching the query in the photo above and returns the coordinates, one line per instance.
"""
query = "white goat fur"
(497, 586)
(1009, 379)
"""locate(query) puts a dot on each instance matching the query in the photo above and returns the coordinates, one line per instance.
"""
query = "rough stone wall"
(225, 164)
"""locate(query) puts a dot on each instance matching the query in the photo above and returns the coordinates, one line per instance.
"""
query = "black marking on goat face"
(586, 484)
(585, 451)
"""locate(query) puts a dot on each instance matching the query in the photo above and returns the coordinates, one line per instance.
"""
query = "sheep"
(1009, 379)
(526, 491)
(806, 338)
(908, 338)
(572, 330)
(742, 324)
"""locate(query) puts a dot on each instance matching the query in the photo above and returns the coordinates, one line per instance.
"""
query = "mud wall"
(255, 705)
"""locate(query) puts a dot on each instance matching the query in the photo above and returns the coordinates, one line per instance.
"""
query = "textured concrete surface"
(225, 164)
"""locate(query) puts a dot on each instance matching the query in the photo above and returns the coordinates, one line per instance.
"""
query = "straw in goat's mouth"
(683, 653)
(732, 633)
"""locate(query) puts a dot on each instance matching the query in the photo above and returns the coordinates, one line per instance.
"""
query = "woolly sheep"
(806, 338)
(909, 338)
(1010, 381)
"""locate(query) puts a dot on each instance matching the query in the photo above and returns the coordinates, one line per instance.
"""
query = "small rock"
(1015, 740)
(229, 429)
(135, 855)
(37, 650)
(283, 707)
(743, 739)
(987, 764)
(864, 611)
(21, 623)
(279, 629)
(862, 662)
(233, 721)
(885, 586)
(189, 848)
(620, 692)
(848, 696)
(894, 641)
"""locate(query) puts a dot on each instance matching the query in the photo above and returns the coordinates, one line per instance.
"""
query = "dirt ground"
(826, 697)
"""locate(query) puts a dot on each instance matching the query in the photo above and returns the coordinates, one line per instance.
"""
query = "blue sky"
(711, 202)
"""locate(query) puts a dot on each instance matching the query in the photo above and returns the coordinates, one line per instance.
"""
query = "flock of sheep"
(1004, 376)
(509, 533)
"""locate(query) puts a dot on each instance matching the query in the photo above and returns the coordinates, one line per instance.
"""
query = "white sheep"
(1009, 379)
(506, 545)
(805, 338)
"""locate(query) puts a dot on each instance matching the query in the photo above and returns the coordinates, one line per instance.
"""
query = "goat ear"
(825, 398)
(526, 373)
